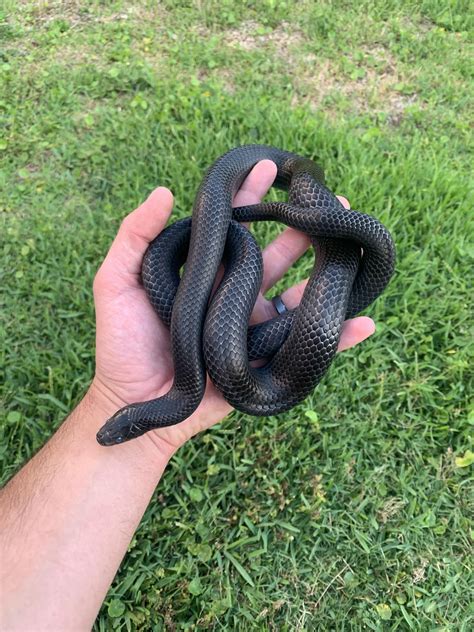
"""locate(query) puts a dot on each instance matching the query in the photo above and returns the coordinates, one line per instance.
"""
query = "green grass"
(351, 512)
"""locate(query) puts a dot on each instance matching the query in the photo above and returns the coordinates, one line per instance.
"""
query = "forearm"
(66, 520)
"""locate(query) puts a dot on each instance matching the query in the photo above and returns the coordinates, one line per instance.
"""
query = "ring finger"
(278, 257)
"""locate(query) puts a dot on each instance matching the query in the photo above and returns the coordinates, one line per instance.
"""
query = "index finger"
(256, 184)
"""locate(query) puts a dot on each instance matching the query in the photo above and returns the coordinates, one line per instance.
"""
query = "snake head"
(117, 429)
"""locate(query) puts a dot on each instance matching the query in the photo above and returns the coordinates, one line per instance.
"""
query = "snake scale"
(354, 261)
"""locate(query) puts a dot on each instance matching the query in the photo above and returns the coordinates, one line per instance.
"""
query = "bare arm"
(66, 519)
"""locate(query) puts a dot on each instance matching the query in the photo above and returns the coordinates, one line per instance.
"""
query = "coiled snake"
(354, 261)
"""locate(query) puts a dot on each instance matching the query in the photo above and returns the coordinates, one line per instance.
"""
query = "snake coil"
(354, 261)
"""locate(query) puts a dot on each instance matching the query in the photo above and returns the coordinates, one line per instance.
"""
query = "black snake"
(354, 261)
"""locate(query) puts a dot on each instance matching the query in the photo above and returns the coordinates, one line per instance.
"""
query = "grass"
(353, 510)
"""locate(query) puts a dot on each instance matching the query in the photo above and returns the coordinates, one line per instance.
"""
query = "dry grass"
(252, 36)
(319, 82)
(375, 89)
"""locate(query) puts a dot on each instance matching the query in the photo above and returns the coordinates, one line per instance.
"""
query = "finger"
(344, 201)
(265, 310)
(293, 295)
(281, 254)
(252, 190)
(137, 230)
(256, 184)
(284, 251)
(355, 330)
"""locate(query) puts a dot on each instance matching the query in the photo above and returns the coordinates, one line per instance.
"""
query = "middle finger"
(281, 254)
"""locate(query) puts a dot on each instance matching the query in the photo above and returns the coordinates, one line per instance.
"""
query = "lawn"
(352, 511)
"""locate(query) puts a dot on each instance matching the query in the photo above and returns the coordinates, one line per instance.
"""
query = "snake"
(354, 259)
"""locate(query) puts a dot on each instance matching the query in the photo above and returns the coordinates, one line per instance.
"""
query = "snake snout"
(117, 429)
(106, 437)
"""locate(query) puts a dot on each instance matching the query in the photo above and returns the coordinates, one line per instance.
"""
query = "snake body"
(354, 261)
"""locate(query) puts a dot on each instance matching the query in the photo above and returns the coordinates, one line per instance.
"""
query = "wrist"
(104, 402)
(104, 399)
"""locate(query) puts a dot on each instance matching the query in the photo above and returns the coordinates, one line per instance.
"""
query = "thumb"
(137, 230)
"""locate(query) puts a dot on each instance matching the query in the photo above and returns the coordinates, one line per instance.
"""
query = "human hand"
(133, 355)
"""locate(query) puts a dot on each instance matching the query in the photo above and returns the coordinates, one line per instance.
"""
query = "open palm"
(133, 356)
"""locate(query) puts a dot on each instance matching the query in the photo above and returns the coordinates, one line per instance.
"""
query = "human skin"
(68, 516)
